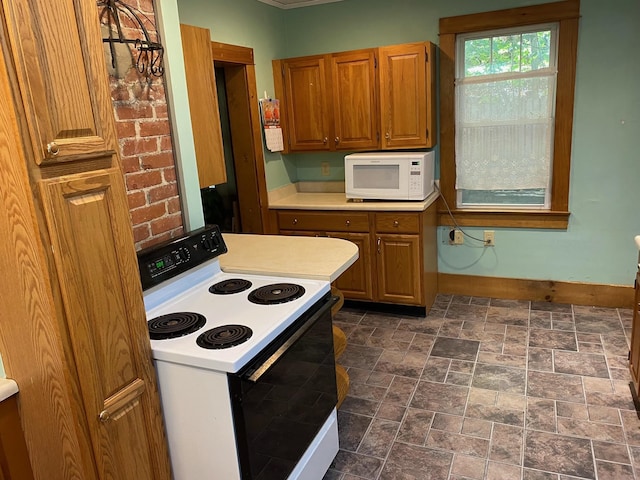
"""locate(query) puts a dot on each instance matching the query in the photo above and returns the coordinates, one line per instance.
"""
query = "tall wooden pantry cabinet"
(72, 329)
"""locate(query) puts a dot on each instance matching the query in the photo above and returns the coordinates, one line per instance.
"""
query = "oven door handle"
(255, 374)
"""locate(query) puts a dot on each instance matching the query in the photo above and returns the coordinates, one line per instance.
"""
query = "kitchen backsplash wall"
(143, 129)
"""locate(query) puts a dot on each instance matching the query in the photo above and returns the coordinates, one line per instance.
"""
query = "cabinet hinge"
(375, 62)
(426, 55)
(427, 132)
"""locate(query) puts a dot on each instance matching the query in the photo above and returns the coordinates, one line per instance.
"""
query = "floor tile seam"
(395, 438)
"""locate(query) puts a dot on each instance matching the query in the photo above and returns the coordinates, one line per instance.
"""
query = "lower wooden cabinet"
(397, 262)
(357, 281)
(14, 459)
(634, 353)
(399, 268)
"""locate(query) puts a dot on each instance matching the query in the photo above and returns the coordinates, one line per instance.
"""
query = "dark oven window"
(277, 417)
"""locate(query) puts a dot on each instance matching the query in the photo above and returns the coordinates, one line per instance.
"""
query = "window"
(506, 96)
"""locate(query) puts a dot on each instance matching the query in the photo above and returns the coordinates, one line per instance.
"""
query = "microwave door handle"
(255, 374)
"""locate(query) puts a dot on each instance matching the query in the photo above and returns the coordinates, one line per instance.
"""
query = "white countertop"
(338, 201)
(7, 388)
(318, 258)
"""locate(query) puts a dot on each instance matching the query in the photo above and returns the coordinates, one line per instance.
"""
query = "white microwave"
(389, 175)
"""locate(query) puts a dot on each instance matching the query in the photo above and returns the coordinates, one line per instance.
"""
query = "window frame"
(566, 14)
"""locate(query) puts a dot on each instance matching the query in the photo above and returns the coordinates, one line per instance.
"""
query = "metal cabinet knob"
(104, 416)
(295, 220)
(348, 222)
(396, 223)
(325, 140)
(337, 139)
(53, 149)
(387, 135)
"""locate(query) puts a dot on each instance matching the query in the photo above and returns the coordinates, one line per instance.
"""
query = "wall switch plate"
(326, 170)
(489, 238)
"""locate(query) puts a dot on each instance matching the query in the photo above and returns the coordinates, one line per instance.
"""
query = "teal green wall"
(598, 245)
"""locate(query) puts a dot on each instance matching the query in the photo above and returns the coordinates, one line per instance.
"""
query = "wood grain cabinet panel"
(63, 86)
(87, 218)
(378, 98)
(355, 117)
(203, 105)
(634, 353)
(323, 221)
(330, 101)
(357, 282)
(397, 254)
(407, 95)
(399, 269)
(308, 106)
(80, 353)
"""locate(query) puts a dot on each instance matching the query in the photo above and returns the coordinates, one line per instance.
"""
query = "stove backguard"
(166, 260)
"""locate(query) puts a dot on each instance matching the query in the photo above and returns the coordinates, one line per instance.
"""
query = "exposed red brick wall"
(146, 148)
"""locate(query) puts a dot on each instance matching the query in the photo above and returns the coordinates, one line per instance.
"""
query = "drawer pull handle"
(53, 149)
(348, 222)
(295, 220)
(378, 243)
(396, 223)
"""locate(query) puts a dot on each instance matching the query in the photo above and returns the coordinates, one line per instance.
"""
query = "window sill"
(501, 218)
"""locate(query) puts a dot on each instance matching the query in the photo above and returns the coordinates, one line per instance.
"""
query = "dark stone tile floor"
(488, 389)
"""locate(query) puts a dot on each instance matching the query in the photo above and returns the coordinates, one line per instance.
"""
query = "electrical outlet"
(489, 238)
(326, 170)
(456, 237)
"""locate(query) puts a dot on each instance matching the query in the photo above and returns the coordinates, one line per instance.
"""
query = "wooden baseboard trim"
(620, 296)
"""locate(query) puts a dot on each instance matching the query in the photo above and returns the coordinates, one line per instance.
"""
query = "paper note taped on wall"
(273, 138)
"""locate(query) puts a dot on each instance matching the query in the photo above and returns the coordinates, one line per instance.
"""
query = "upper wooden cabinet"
(344, 101)
(203, 105)
(308, 106)
(407, 96)
(353, 81)
(329, 100)
(59, 61)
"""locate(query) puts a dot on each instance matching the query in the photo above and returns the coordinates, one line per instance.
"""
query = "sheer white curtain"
(504, 130)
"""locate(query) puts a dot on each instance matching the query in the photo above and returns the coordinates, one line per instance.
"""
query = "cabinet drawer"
(398, 222)
(323, 221)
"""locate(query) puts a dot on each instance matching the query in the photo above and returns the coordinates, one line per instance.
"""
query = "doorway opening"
(240, 205)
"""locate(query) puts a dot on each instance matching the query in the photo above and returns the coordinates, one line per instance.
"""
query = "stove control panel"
(166, 260)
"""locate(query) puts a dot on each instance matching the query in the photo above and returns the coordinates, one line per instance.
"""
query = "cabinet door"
(307, 103)
(62, 75)
(203, 105)
(356, 282)
(634, 364)
(399, 268)
(354, 100)
(88, 222)
(404, 100)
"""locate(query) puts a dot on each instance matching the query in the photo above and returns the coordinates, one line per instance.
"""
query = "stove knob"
(208, 243)
(184, 254)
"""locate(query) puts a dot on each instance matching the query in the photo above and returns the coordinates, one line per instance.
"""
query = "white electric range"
(245, 365)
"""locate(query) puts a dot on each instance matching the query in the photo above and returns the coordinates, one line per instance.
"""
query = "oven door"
(283, 398)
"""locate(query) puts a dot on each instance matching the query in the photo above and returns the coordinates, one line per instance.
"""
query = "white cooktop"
(189, 292)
